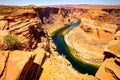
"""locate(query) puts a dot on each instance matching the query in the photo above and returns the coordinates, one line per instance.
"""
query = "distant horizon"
(64, 5)
(58, 2)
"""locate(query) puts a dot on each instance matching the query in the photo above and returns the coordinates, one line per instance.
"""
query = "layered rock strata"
(43, 62)
(113, 46)
(26, 25)
(91, 36)
(109, 70)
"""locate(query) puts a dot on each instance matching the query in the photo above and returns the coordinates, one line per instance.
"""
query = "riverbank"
(70, 53)
(82, 52)
(34, 55)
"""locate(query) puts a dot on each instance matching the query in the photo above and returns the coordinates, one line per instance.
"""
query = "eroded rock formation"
(26, 25)
(50, 15)
(13, 63)
(89, 39)
(37, 57)
(109, 70)
(113, 46)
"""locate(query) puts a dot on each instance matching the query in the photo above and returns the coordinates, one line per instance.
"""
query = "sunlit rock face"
(50, 15)
(115, 14)
(13, 62)
(99, 25)
(25, 24)
(95, 32)
(113, 47)
(45, 14)
(3, 57)
(3, 46)
(109, 70)
(90, 37)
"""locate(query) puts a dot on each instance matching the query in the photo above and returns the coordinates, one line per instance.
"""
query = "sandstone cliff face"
(41, 61)
(53, 15)
(92, 36)
(3, 58)
(99, 25)
(109, 70)
(115, 14)
(13, 63)
(45, 14)
(26, 25)
(113, 46)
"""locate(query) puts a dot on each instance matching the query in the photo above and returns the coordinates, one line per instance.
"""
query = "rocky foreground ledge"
(27, 51)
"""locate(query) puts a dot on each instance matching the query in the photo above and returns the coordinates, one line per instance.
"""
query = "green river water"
(62, 48)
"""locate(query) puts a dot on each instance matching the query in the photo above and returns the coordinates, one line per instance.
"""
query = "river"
(63, 49)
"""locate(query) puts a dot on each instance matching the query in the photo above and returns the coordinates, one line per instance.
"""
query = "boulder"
(14, 64)
(117, 35)
(109, 70)
(3, 59)
(113, 46)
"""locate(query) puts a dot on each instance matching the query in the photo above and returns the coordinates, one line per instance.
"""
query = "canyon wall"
(36, 55)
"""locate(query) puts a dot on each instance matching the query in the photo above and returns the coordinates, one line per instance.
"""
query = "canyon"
(58, 42)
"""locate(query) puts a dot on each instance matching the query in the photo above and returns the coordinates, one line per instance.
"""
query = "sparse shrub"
(11, 40)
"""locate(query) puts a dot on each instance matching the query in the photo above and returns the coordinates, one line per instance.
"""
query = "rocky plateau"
(27, 51)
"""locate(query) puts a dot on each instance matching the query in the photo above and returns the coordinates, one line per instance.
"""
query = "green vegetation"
(11, 41)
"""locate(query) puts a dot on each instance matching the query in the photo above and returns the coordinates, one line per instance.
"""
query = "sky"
(58, 2)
